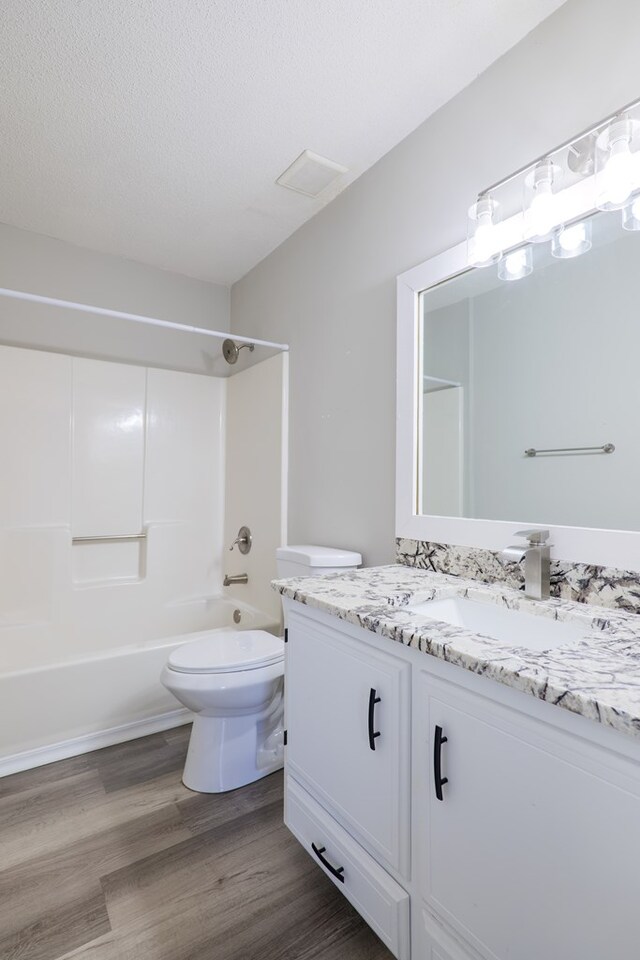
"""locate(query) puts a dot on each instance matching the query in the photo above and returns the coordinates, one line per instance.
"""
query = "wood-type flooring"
(108, 856)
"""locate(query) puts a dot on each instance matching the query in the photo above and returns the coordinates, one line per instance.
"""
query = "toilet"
(232, 680)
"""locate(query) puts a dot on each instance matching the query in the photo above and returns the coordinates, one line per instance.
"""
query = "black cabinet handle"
(337, 872)
(438, 779)
(372, 706)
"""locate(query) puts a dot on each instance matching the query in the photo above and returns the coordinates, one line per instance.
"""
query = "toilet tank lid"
(313, 556)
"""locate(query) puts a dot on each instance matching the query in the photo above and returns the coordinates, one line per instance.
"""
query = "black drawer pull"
(372, 706)
(337, 872)
(438, 779)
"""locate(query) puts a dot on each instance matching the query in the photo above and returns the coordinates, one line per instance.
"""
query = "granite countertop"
(597, 676)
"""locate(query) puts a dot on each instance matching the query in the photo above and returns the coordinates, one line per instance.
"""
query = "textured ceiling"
(155, 129)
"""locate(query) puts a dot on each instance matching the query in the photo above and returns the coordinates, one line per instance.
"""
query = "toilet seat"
(229, 651)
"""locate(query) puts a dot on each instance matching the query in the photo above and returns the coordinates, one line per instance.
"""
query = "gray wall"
(329, 290)
(38, 264)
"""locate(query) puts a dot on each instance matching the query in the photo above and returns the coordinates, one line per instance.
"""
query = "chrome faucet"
(537, 566)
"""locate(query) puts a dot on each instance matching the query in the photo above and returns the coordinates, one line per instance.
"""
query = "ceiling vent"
(311, 174)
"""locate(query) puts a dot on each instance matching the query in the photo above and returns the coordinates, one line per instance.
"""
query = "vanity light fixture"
(540, 206)
(516, 264)
(571, 241)
(631, 215)
(482, 238)
(617, 166)
(597, 169)
(581, 155)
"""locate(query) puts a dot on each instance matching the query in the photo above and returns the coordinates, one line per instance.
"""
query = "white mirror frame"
(610, 548)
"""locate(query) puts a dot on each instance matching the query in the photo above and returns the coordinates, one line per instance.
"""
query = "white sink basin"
(513, 627)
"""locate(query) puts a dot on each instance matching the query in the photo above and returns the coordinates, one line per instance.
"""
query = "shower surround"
(97, 453)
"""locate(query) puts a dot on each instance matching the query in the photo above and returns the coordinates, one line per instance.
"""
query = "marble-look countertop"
(597, 676)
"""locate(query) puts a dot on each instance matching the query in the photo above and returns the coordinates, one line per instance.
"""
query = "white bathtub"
(106, 696)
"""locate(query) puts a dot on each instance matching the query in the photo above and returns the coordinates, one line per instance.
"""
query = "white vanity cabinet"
(382, 901)
(531, 848)
(347, 797)
(508, 828)
(347, 712)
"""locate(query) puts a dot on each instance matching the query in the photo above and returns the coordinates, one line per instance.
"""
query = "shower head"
(231, 350)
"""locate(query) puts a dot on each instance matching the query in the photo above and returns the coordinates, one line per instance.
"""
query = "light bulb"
(516, 265)
(617, 170)
(572, 237)
(515, 262)
(619, 173)
(541, 210)
(571, 241)
(540, 203)
(483, 236)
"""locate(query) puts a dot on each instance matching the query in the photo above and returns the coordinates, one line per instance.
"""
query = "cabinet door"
(534, 849)
(347, 716)
(429, 941)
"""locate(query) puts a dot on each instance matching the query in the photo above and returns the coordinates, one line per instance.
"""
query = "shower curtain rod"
(137, 318)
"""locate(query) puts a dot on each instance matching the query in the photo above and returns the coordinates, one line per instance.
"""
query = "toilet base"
(229, 752)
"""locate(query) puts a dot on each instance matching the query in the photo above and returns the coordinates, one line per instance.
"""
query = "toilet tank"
(310, 561)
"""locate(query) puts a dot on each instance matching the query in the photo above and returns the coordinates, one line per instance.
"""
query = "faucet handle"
(535, 537)
(243, 540)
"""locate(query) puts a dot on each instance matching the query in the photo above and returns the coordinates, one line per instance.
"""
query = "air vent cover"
(311, 174)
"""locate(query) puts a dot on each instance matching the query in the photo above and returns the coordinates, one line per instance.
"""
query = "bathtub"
(107, 696)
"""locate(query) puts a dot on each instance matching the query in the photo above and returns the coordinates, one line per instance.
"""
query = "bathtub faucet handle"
(243, 540)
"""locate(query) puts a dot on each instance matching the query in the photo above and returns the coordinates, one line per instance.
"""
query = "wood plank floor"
(109, 857)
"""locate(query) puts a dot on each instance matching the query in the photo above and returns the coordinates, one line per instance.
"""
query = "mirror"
(509, 370)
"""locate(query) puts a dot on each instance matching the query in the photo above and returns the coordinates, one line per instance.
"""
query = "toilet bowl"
(233, 683)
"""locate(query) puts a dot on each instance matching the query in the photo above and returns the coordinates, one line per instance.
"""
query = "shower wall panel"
(109, 401)
(256, 471)
(98, 449)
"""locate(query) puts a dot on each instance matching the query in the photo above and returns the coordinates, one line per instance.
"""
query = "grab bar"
(605, 448)
(112, 537)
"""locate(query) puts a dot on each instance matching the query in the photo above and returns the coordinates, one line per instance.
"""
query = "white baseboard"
(92, 741)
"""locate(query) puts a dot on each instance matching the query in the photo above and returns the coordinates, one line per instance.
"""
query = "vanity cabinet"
(485, 824)
(527, 840)
(347, 711)
(382, 902)
(434, 943)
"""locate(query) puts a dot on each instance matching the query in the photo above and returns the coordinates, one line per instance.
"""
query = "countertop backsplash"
(579, 582)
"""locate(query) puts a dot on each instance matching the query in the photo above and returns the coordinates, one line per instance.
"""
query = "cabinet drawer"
(374, 894)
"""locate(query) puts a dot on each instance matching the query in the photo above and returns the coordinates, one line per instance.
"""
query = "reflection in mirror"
(549, 362)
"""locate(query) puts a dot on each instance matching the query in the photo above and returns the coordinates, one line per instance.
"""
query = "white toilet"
(233, 682)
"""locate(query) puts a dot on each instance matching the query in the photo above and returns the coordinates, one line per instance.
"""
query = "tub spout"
(237, 578)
